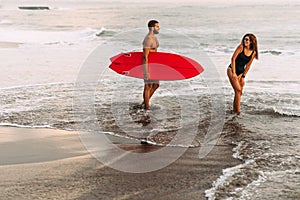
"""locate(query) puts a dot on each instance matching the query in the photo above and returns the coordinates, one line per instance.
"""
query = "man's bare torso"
(151, 43)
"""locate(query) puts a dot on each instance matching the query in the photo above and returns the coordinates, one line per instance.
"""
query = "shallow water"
(41, 82)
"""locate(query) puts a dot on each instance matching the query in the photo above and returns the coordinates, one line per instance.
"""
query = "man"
(150, 44)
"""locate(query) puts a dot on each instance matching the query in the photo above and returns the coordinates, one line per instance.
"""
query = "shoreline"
(47, 163)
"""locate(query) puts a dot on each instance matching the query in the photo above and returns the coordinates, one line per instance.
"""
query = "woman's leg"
(237, 101)
(236, 85)
(234, 104)
(239, 94)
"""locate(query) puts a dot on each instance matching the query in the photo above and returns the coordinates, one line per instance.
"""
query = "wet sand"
(53, 164)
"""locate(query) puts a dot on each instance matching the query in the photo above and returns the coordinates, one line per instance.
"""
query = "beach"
(71, 128)
(53, 164)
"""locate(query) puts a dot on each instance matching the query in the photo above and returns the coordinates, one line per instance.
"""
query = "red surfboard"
(162, 66)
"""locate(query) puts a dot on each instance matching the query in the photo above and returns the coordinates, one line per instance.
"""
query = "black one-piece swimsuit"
(240, 62)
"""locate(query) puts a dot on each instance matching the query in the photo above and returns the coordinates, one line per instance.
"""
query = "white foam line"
(210, 193)
(227, 173)
(260, 180)
(150, 142)
(24, 126)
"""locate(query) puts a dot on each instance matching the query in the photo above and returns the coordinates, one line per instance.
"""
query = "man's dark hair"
(152, 23)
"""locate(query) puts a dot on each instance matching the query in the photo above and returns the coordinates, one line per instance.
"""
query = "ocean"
(55, 75)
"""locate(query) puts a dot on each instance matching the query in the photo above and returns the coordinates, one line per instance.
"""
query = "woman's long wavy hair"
(253, 43)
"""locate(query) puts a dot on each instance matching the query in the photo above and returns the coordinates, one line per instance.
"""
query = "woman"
(240, 64)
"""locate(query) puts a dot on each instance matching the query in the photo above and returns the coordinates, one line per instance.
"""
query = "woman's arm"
(249, 64)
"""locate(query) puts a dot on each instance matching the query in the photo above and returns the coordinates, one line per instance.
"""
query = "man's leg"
(146, 95)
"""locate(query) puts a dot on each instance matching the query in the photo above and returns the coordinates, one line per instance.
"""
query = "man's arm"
(145, 63)
(146, 51)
